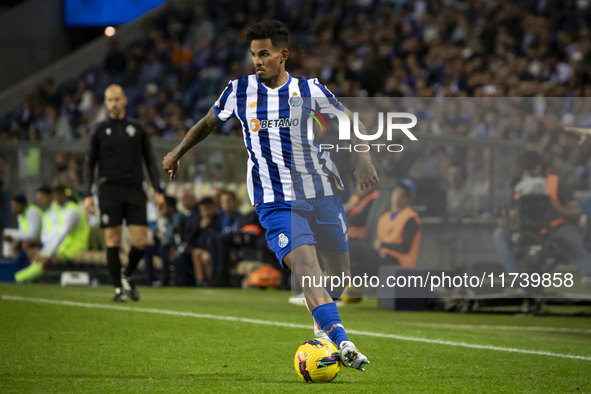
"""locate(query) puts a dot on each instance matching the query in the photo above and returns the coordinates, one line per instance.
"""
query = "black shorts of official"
(118, 202)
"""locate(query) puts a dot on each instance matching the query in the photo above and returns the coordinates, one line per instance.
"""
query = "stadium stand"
(185, 55)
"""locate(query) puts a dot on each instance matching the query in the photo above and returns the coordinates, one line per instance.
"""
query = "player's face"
(267, 59)
(17, 208)
(60, 197)
(399, 198)
(187, 199)
(115, 101)
(207, 210)
(43, 200)
(227, 204)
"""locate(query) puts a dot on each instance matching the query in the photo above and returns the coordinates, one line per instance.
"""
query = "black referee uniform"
(119, 147)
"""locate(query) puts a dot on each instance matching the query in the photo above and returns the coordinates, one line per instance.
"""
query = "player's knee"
(113, 240)
(140, 244)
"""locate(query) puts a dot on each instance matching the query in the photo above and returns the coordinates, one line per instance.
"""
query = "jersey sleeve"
(34, 220)
(323, 97)
(91, 159)
(71, 220)
(225, 107)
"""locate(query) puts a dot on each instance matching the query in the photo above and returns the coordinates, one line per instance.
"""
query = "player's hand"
(7, 238)
(89, 205)
(159, 200)
(584, 133)
(377, 244)
(366, 174)
(170, 165)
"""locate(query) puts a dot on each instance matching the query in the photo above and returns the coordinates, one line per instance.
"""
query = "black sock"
(135, 255)
(114, 264)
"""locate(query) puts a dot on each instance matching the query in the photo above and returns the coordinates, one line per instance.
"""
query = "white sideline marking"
(499, 328)
(290, 325)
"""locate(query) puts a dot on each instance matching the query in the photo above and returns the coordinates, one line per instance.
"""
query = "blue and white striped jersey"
(284, 159)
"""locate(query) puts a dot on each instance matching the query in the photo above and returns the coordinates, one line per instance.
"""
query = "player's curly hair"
(275, 30)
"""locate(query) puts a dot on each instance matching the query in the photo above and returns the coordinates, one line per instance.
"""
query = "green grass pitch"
(79, 348)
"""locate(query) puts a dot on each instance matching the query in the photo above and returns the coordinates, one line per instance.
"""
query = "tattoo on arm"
(196, 134)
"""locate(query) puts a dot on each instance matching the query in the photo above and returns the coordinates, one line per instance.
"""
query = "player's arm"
(71, 220)
(568, 207)
(91, 158)
(571, 211)
(153, 170)
(150, 161)
(583, 133)
(365, 173)
(408, 233)
(34, 221)
(202, 129)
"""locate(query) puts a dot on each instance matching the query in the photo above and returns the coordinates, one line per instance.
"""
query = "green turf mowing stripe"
(290, 325)
(499, 328)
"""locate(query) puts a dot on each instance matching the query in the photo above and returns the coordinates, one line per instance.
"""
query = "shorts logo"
(295, 100)
(105, 218)
(108, 131)
(130, 130)
(283, 240)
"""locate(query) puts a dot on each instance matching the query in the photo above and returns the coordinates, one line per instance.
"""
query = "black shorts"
(118, 202)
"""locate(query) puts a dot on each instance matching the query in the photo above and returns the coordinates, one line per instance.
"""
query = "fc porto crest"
(295, 100)
(130, 130)
(283, 240)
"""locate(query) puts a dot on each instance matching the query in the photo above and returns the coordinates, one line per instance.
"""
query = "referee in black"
(118, 146)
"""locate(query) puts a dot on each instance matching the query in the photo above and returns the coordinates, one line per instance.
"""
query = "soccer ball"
(317, 361)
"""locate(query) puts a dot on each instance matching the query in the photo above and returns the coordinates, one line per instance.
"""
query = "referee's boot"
(119, 295)
(129, 287)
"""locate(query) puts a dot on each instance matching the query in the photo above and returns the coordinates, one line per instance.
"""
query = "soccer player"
(29, 220)
(63, 238)
(118, 146)
(292, 184)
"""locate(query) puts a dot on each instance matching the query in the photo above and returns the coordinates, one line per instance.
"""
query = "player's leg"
(201, 266)
(111, 216)
(113, 243)
(33, 270)
(303, 262)
(139, 240)
(135, 215)
(330, 226)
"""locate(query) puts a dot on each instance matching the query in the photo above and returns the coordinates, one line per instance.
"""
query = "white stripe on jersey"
(296, 142)
(276, 148)
(255, 140)
(296, 167)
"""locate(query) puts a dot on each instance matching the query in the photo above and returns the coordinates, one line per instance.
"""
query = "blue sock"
(327, 317)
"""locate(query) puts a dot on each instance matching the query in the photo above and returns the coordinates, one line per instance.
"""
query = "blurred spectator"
(205, 244)
(460, 198)
(180, 55)
(230, 219)
(115, 61)
(190, 228)
(169, 225)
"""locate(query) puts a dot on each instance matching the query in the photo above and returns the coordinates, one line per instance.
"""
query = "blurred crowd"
(6, 5)
(469, 50)
(201, 242)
